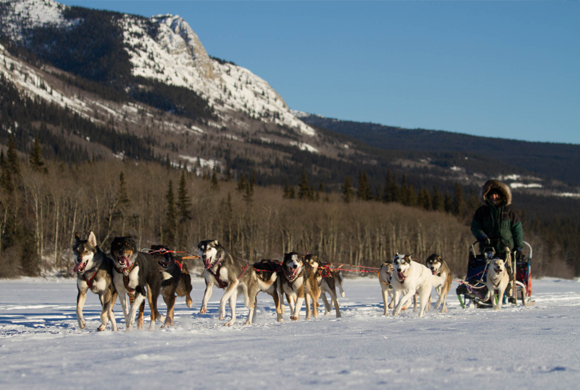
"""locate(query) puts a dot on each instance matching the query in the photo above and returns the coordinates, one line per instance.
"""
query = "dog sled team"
(134, 276)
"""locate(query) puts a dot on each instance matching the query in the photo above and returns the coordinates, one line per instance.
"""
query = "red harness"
(216, 275)
(90, 280)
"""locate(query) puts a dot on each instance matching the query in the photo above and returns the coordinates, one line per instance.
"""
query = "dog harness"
(216, 275)
(90, 280)
(130, 291)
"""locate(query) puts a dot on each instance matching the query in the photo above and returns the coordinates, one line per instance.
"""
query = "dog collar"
(90, 280)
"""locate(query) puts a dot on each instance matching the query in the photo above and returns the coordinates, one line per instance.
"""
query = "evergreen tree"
(183, 200)
(411, 196)
(229, 174)
(364, 189)
(424, 200)
(292, 193)
(437, 200)
(448, 203)
(347, 191)
(286, 193)
(12, 157)
(35, 159)
(395, 191)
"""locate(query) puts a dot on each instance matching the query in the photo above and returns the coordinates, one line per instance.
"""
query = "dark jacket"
(499, 223)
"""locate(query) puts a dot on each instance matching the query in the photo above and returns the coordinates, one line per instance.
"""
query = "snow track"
(41, 345)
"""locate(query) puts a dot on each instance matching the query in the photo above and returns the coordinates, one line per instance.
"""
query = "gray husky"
(94, 272)
(232, 275)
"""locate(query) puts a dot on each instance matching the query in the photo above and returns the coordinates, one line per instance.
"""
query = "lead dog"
(176, 280)
(232, 275)
(94, 272)
(439, 268)
(135, 274)
(410, 277)
(497, 279)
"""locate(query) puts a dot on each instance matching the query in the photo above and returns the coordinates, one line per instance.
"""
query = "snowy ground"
(534, 347)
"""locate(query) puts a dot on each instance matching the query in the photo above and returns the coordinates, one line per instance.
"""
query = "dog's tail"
(265, 284)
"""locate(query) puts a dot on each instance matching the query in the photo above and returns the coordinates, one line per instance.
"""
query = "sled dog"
(312, 284)
(497, 280)
(439, 268)
(410, 277)
(94, 272)
(232, 275)
(135, 274)
(385, 279)
(292, 282)
(265, 270)
(176, 280)
(330, 279)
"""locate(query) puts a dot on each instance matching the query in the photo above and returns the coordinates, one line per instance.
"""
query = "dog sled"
(473, 290)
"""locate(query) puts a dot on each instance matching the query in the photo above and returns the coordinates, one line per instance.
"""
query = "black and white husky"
(135, 274)
(232, 275)
(94, 272)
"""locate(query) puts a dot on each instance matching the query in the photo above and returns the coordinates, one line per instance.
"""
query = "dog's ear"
(77, 238)
(92, 239)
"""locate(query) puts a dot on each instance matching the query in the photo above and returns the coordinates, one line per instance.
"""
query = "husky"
(329, 280)
(265, 270)
(497, 279)
(439, 268)
(135, 274)
(176, 280)
(292, 282)
(385, 279)
(232, 275)
(411, 277)
(94, 272)
(312, 284)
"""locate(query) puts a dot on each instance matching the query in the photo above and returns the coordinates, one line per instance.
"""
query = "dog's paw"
(203, 310)
(294, 318)
(82, 325)
(189, 302)
(342, 294)
(101, 328)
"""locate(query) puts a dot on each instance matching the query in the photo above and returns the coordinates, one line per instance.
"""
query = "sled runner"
(473, 291)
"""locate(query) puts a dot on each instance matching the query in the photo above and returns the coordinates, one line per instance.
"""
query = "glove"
(484, 242)
(519, 253)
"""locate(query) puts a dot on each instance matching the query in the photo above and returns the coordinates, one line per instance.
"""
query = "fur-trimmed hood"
(503, 189)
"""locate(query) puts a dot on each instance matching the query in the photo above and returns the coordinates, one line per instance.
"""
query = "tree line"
(43, 204)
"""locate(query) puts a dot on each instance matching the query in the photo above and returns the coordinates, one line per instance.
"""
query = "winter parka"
(498, 223)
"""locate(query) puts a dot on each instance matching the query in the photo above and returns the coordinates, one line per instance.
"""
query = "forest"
(44, 203)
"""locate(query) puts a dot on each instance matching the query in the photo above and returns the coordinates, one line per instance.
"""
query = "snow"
(536, 347)
(523, 185)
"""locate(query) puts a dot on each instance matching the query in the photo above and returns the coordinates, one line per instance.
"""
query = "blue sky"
(508, 69)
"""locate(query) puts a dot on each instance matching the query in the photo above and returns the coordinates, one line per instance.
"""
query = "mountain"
(100, 85)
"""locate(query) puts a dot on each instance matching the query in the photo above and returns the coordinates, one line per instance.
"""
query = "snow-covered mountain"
(171, 53)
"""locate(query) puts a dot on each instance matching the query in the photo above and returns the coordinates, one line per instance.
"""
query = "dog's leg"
(338, 281)
(170, 303)
(105, 299)
(153, 306)
(334, 300)
(406, 297)
(393, 297)
(231, 291)
(425, 298)
(81, 298)
(140, 318)
(327, 307)
(251, 302)
(206, 296)
(307, 297)
(232, 300)
(139, 299)
(299, 301)
(110, 311)
(443, 296)
(385, 291)
(278, 306)
(315, 293)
